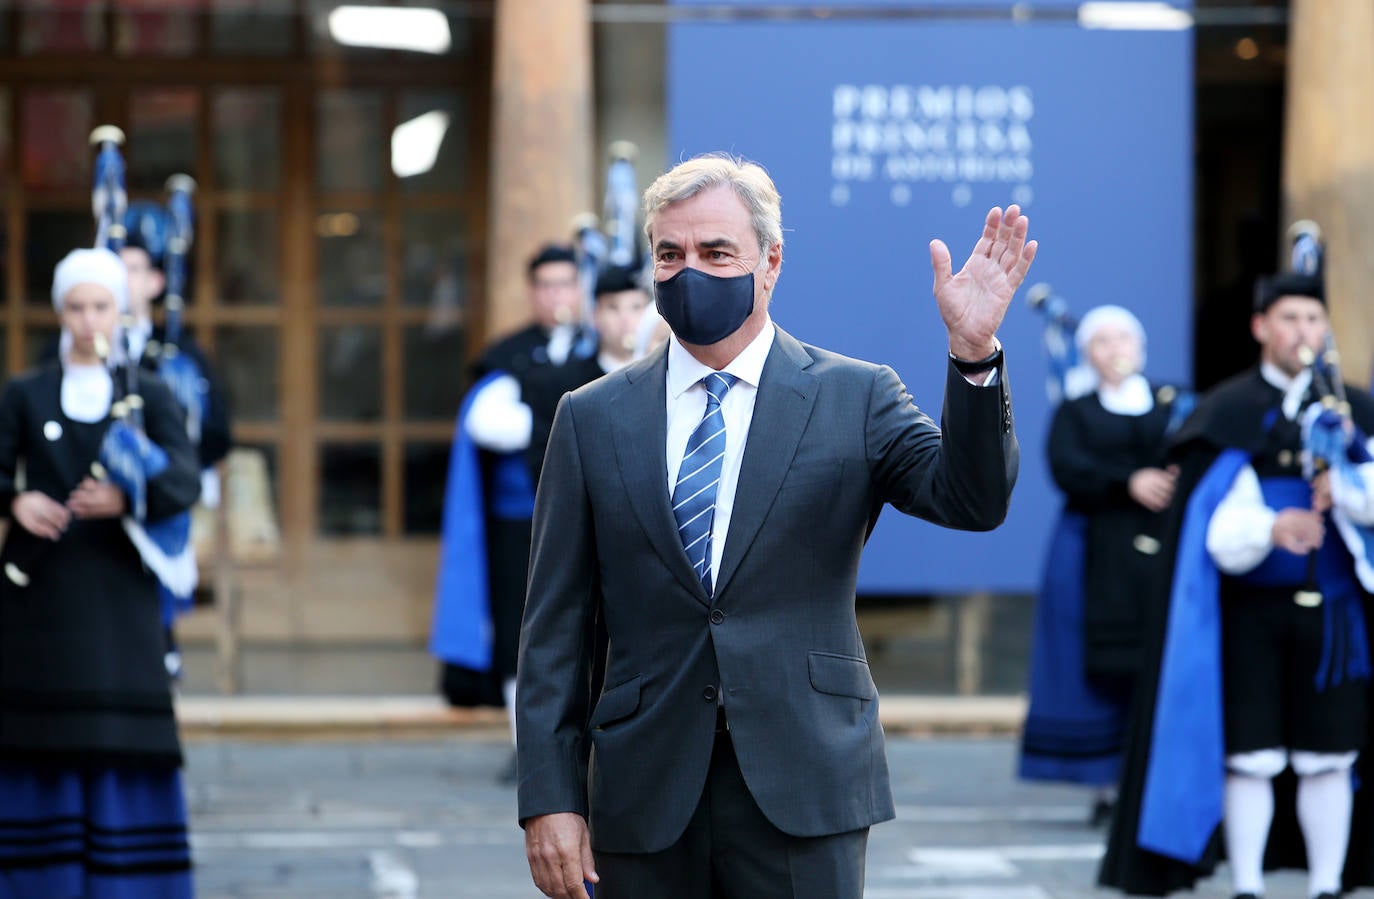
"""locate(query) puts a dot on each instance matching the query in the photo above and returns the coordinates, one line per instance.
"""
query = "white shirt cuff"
(1241, 532)
(497, 420)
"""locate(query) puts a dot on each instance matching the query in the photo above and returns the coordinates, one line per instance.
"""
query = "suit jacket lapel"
(782, 408)
(640, 416)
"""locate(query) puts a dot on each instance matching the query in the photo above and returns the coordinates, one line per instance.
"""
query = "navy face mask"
(704, 309)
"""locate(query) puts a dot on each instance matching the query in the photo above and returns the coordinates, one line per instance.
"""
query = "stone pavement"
(424, 819)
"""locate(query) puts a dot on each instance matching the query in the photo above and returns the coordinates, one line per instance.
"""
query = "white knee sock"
(1249, 812)
(1324, 802)
(508, 691)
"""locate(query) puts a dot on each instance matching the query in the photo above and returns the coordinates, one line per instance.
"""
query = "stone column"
(541, 163)
(1328, 165)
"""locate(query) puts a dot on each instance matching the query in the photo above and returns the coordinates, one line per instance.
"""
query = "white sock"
(1324, 802)
(508, 691)
(1249, 811)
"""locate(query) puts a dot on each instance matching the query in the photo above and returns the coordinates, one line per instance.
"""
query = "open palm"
(974, 301)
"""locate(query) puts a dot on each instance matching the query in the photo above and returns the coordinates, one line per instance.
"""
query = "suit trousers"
(731, 851)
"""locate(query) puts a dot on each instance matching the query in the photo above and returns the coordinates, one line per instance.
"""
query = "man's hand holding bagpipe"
(97, 499)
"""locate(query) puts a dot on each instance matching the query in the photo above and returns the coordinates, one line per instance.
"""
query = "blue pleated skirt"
(99, 833)
(1074, 731)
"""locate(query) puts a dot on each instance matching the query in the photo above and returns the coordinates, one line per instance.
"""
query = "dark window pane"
(351, 489)
(252, 27)
(428, 147)
(5, 138)
(52, 235)
(351, 373)
(247, 359)
(71, 28)
(40, 344)
(350, 150)
(57, 130)
(433, 372)
(162, 136)
(154, 28)
(4, 185)
(247, 146)
(426, 474)
(247, 259)
(352, 267)
(434, 264)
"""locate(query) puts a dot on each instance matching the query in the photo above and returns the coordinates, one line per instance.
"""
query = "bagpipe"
(614, 239)
(127, 457)
(109, 200)
(179, 370)
(1331, 441)
(1057, 339)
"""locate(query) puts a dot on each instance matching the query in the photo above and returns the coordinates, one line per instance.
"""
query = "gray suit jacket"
(832, 440)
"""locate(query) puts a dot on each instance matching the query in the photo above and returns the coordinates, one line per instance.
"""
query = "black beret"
(617, 279)
(1288, 284)
(553, 252)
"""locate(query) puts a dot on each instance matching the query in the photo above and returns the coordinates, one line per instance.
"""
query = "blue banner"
(884, 133)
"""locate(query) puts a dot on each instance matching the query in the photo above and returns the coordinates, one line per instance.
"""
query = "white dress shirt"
(686, 405)
(139, 334)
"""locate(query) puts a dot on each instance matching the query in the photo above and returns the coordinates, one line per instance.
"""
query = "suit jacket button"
(709, 694)
(717, 616)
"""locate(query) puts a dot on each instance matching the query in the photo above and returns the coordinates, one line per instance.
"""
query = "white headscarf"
(98, 266)
(87, 390)
(1132, 396)
(1101, 316)
(92, 266)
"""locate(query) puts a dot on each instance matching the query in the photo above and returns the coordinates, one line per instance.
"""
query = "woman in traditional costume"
(1106, 453)
(91, 798)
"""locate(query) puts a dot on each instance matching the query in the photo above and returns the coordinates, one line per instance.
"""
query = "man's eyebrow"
(665, 244)
(718, 243)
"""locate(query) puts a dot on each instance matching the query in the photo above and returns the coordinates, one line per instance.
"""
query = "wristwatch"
(987, 363)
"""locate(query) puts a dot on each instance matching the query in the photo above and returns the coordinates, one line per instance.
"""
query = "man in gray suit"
(708, 505)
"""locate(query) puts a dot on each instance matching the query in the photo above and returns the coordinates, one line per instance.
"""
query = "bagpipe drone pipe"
(614, 240)
(1058, 340)
(1332, 444)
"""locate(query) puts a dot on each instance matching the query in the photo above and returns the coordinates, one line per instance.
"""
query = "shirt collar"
(684, 369)
(1280, 380)
(1131, 397)
(1294, 389)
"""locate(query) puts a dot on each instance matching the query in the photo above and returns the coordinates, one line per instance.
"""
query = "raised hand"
(974, 301)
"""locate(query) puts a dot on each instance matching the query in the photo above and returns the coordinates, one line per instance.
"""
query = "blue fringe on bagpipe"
(188, 385)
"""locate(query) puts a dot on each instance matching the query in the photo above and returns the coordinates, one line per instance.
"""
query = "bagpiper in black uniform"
(1253, 688)
(90, 781)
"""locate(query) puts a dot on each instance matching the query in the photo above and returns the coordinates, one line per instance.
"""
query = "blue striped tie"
(694, 497)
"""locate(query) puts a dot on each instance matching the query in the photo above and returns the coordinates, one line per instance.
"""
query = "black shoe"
(1252, 896)
(1327, 896)
(1101, 814)
(508, 776)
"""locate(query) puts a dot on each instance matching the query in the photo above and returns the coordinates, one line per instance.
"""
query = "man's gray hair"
(747, 179)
